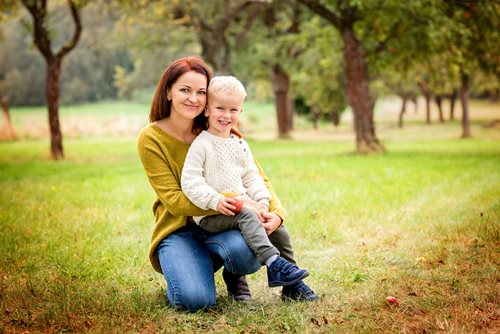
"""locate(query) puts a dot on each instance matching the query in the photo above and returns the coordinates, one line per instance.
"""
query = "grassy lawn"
(420, 223)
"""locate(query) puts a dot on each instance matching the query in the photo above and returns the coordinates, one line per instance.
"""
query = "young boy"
(220, 162)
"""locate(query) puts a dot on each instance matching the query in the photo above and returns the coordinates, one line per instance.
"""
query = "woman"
(187, 256)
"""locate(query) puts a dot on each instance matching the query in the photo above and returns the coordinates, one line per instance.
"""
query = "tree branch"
(295, 26)
(76, 35)
(324, 12)
(383, 44)
(253, 15)
(38, 11)
(232, 13)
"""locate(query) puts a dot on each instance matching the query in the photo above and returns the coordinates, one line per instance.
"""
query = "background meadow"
(419, 222)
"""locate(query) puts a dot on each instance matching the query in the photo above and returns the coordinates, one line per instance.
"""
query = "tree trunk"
(43, 39)
(214, 50)
(291, 112)
(464, 98)
(427, 95)
(281, 84)
(453, 99)
(427, 108)
(358, 92)
(7, 132)
(414, 99)
(439, 103)
(52, 92)
(494, 93)
(403, 110)
(315, 116)
(335, 118)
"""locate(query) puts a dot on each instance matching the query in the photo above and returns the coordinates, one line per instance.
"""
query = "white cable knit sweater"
(215, 165)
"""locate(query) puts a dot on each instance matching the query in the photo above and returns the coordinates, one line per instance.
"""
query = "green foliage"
(470, 33)
(8, 8)
(269, 42)
(153, 38)
(126, 45)
(308, 50)
(22, 76)
(431, 42)
(318, 75)
(87, 72)
(485, 86)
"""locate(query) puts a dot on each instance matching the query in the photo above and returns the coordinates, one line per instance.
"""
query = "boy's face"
(223, 113)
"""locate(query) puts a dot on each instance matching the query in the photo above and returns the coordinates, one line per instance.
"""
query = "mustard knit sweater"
(163, 159)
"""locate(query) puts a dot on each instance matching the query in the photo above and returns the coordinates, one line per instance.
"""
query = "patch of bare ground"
(492, 124)
(86, 126)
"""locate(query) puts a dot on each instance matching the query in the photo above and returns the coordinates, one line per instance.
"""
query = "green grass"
(420, 223)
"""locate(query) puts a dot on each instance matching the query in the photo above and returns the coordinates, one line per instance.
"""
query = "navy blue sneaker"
(298, 292)
(283, 273)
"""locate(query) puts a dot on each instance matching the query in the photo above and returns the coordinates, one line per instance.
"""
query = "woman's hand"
(258, 208)
(271, 222)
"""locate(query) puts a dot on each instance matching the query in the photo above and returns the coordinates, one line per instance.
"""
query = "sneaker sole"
(298, 299)
(297, 280)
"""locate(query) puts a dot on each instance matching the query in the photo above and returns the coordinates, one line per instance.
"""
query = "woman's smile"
(193, 107)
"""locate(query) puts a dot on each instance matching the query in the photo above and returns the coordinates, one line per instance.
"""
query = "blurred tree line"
(309, 56)
(88, 73)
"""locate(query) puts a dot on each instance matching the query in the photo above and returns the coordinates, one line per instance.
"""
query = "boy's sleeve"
(193, 183)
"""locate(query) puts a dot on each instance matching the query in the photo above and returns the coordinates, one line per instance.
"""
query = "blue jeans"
(189, 257)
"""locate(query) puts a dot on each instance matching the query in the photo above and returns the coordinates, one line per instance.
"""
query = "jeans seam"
(227, 254)
(171, 284)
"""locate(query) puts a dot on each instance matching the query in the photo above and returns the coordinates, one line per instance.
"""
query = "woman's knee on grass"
(194, 299)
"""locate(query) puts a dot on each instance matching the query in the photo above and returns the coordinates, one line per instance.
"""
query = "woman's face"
(188, 95)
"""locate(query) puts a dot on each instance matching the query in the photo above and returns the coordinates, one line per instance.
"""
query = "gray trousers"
(252, 231)
(280, 238)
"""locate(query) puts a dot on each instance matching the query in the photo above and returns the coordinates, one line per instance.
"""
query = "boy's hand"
(225, 206)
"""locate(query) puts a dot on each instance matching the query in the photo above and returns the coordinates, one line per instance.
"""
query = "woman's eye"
(202, 92)
(184, 90)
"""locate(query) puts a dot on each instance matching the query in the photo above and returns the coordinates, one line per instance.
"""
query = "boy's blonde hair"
(226, 85)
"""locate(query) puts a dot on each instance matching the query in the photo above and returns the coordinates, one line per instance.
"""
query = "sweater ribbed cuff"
(212, 203)
(264, 202)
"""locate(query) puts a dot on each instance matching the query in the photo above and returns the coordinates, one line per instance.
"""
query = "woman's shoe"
(237, 286)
